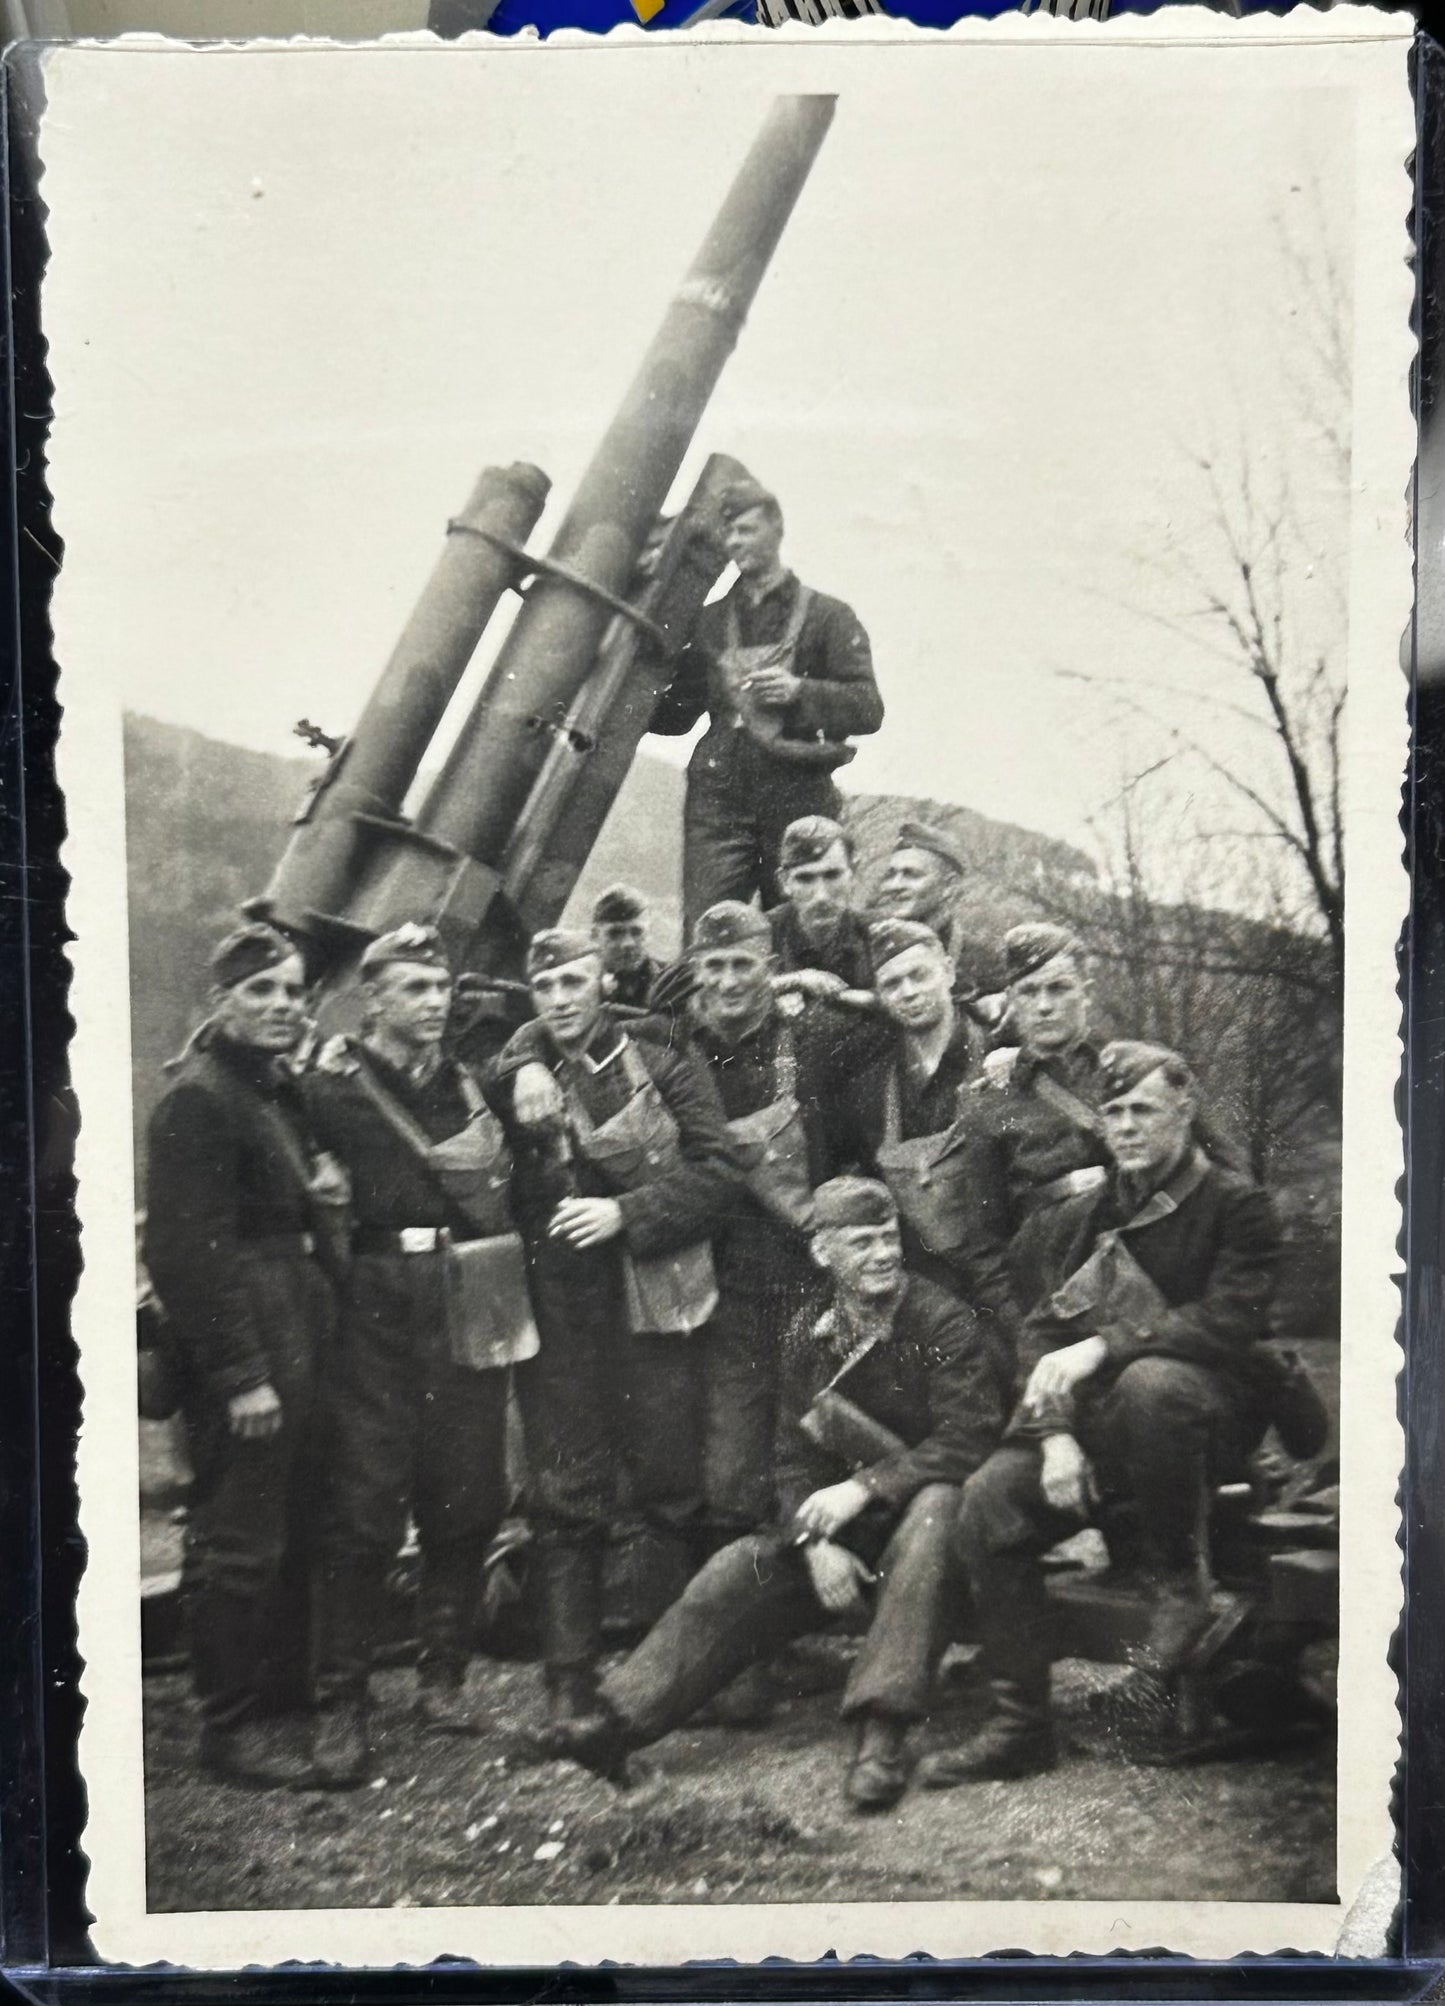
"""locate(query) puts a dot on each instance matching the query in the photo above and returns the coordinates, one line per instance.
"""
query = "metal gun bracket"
(530, 565)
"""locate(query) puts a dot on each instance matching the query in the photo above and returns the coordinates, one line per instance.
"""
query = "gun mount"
(506, 827)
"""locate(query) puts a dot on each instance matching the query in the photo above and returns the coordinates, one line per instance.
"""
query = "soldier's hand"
(808, 982)
(1059, 1372)
(829, 1510)
(536, 1096)
(1066, 1479)
(256, 1413)
(586, 1222)
(839, 1577)
(776, 688)
(330, 1180)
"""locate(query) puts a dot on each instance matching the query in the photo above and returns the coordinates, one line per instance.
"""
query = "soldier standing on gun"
(619, 926)
(235, 1219)
(418, 1403)
(623, 1170)
(889, 1401)
(1034, 1138)
(819, 936)
(1149, 1386)
(785, 675)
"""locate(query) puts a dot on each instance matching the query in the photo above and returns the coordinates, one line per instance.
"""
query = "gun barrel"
(483, 789)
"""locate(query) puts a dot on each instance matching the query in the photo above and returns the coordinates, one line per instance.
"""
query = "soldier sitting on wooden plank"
(785, 676)
(237, 1213)
(1150, 1387)
(889, 1401)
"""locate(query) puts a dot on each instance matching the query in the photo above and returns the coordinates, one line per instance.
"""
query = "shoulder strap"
(1065, 1101)
(396, 1116)
(635, 1071)
(892, 1105)
(785, 1066)
(801, 607)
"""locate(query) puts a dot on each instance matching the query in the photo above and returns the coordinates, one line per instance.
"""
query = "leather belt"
(407, 1239)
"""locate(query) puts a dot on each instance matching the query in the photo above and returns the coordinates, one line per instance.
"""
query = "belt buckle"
(308, 1243)
(420, 1239)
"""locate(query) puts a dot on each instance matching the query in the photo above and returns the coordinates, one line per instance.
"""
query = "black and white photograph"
(733, 732)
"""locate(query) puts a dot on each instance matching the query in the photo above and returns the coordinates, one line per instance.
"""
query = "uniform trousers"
(757, 1595)
(606, 1413)
(253, 1498)
(740, 1357)
(1159, 1438)
(732, 828)
(408, 1431)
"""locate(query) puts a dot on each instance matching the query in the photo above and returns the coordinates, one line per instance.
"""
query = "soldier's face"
(916, 885)
(1147, 1130)
(568, 998)
(267, 1010)
(622, 944)
(734, 983)
(915, 988)
(864, 1261)
(821, 892)
(1051, 1006)
(753, 540)
(410, 1002)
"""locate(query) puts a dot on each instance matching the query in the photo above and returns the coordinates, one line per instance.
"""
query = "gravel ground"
(726, 1815)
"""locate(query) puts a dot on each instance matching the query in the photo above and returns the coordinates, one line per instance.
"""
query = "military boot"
(341, 1745)
(878, 1774)
(571, 1696)
(1189, 1627)
(443, 1706)
(597, 1740)
(1017, 1739)
(253, 1754)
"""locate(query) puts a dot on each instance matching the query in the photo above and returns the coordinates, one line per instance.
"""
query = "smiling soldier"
(235, 1188)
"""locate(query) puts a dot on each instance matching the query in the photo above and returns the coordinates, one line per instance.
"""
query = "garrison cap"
(739, 496)
(728, 923)
(810, 838)
(1123, 1064)
(617, 904)
(555, 946)
(1026, 949)
(411, 942)
(888, 938)
(938, 843)
(852, 1201)
(248, 951)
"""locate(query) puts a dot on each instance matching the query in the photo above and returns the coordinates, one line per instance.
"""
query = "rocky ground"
(721, 1815)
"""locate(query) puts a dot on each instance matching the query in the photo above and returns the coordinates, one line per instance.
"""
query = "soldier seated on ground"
(619, 926)
(1150, 1386)
(818, 927)
(888, 1401)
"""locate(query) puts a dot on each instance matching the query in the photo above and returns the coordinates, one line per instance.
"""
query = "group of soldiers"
(835, 1256)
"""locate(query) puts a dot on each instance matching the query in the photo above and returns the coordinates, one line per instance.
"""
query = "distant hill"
(206, 822)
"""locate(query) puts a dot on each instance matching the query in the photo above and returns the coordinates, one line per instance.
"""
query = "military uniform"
(231, 1247)
(1175, 1409)
(631, 987)
(603, 1394)
(742, 791)
(844, 953)
(411, 1428)
(932, 1382)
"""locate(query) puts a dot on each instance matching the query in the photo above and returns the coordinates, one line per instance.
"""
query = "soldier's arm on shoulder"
(528, 1045)
(968, 1399)
(694, 1198)
(843, 701)
(193, 1248)
(1231, 1315)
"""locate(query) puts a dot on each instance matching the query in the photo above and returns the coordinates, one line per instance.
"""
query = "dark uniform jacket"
(227, 1158)
(631, 986)
(839, 700)
(1214, 1258)
(671, 1211)
(934, 1382)
(845, 954)
(1019, 1144)
(390, 1185)
(754, 1250)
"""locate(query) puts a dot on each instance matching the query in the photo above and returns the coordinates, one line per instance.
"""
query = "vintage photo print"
(733, 738)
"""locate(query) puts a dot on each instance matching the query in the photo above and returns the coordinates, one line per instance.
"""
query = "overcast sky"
(305, 297)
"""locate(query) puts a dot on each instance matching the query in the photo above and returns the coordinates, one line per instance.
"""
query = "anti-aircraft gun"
(506, 827)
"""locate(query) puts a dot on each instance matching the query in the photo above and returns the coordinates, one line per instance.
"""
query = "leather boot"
(1188, 1628)
(878, 1774)
(1016, 1740)
(341, 1746)
(597, 1740)
(571, 1696)
(253, 1754)
(748, 1702)
(443, 1706)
